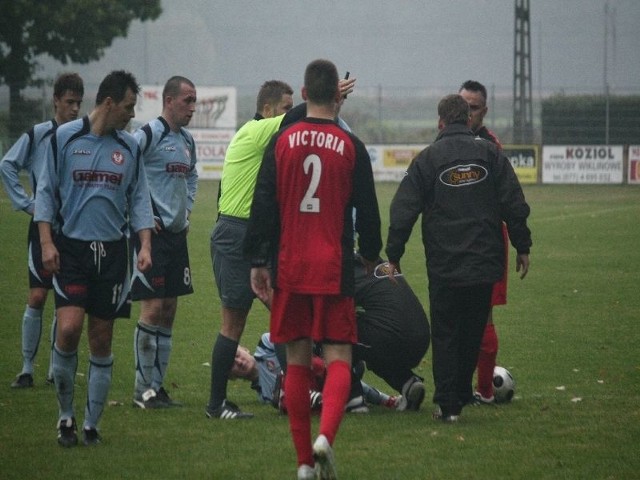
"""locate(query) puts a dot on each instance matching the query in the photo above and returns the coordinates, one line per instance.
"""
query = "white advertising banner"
(634, 165)
(212, 126)
(582, 164)
(390, 162)
(211, 147)
(216, 107)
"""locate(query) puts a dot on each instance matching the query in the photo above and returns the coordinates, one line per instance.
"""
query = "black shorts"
(95, 276)
(39, 277)
(169, 275)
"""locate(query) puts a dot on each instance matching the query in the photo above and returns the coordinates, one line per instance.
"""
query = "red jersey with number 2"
(315, 163)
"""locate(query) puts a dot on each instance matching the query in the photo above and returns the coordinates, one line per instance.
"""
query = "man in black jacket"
(464, 187)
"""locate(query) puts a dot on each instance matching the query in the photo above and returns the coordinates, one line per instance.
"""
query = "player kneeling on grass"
(264, 371)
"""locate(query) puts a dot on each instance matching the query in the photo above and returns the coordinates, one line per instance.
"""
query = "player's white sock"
(65, 365)
(99, 382)
(162, 355)
(145, 347)
(31, 331)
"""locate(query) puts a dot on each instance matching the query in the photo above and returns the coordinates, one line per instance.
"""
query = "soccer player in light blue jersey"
(169, 154)
(94, 185)
(27, 154)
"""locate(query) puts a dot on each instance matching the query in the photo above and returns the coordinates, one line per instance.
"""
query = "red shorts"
(499, 293)
(320, 317)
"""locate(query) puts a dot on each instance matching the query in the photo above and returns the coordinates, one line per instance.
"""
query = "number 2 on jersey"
(310, 203)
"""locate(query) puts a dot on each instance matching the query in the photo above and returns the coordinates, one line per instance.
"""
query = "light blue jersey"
(26, 154)
(95, 185)
(170, 165)
(268, 368)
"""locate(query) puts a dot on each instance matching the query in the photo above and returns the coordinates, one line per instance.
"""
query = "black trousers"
(386, 354)
(458, 318)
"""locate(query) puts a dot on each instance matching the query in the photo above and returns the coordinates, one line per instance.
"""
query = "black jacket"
(464, 187)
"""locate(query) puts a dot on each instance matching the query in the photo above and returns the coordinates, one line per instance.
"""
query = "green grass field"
(569, 335)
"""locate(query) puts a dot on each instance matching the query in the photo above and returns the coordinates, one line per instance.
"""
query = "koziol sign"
(582, 164)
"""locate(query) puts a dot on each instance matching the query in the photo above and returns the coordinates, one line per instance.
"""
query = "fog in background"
(427, 44)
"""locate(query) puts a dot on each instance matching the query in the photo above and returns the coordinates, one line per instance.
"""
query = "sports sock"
(162, 357)
(297, 384)
(487, 361)
(65, 365)
(222, 358)
(374, 396)
(31, 331)
(54, 328)
(355, 389)
(99, 381)
(145, 347)
(281, 355)
(334, 398)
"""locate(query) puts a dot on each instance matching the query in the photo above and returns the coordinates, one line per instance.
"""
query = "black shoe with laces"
(413, 393)
(356, 405)
(445, 416)
(90, 436)
(163, 396)
(149, 400)
(23, 380)
(227, 411)
(315, 398)
(478, 400)
(67, 432)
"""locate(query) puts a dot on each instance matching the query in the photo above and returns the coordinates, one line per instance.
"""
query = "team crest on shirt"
(463, 175)
(271, 365)
(117, 157)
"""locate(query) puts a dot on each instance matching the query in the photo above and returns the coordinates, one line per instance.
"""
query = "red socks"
(297, 383)
(487, 361)
(335, 394)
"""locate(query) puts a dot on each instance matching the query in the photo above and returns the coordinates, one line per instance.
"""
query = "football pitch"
(569, 335)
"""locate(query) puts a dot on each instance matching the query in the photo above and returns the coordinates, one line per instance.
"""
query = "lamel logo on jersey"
(97, 176)
(463, 175)
(177, 167)
(117, 157)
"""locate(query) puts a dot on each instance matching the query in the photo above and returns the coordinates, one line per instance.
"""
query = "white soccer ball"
(504, 385)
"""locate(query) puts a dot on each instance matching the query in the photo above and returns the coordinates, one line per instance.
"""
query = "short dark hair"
(321, 81)
(68, 81)
(271, 93)
(453, 109)
(172, 87)
(115, 85)
(474, 86)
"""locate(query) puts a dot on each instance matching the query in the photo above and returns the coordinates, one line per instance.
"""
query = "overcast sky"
(402, 43)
